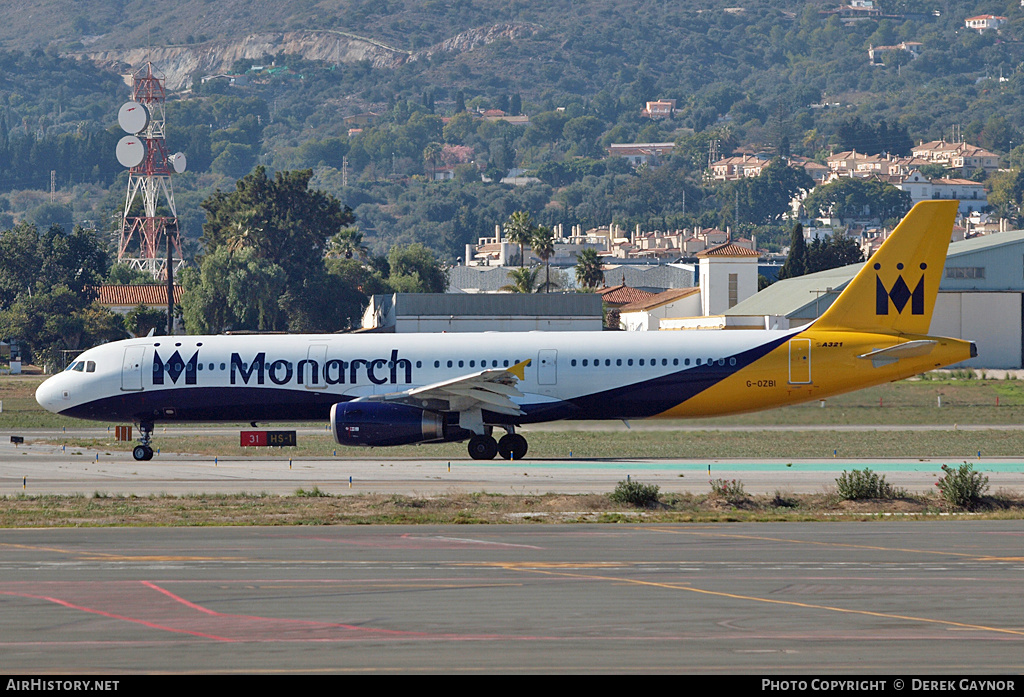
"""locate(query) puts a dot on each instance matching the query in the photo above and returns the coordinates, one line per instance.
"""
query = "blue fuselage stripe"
(640, 399)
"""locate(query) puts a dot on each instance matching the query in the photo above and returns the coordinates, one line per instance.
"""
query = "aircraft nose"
(49, 395)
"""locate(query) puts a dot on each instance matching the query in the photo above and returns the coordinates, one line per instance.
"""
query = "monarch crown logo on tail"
(900, 294)
(904, 273)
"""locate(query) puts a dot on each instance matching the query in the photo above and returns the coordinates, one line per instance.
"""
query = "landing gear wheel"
(144, 451)
(512, 446)
(482, 448)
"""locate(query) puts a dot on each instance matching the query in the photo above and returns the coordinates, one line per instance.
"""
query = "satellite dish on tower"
(130, 151)
(133, 117)
(178, 162)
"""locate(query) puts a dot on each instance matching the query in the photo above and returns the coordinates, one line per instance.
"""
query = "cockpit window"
(78, 366)
(90, 366)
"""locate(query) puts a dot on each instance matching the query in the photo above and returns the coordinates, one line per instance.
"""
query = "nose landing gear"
(143, 451)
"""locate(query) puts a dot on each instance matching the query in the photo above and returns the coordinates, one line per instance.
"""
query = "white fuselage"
(298, 377)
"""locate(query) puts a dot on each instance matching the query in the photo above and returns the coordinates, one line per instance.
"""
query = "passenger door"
(131, 368)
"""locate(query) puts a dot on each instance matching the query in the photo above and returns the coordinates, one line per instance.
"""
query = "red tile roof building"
(132, 296)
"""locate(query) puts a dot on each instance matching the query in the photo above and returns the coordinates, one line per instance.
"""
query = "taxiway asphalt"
(38, 468)
(896, 599)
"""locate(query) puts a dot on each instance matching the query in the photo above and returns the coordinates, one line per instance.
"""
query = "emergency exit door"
(547, 367)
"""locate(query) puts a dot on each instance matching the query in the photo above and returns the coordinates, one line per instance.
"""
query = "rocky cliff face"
(180, 63)
(475, 38)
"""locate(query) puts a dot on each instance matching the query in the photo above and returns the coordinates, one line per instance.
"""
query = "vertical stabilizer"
(895, 291)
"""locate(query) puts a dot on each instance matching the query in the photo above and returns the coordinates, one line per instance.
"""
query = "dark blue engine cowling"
(380, 423)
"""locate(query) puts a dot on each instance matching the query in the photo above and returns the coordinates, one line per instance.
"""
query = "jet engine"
(381, 423)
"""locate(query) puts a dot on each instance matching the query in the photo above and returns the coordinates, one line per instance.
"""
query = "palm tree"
(347, 243)
(523, 281)
(543, 245)
(242, 236)
(588, 269)
(518, 229)
(430, 154)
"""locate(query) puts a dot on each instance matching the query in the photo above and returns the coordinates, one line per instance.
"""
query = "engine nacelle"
(381, 423)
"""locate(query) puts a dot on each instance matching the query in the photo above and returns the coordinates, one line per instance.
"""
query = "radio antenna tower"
(144, 153)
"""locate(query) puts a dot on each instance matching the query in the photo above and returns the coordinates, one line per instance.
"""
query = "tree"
(831, 253)
(346, 244)
(415, 269)
(856, 198)
(354, 282)
(124, 275)
(431, 153)
(583, 132)
(522, 281)
(588, 269)
(234, 290)
(48, 284)
(47, 215)
(543, 245)
(142, 319)
(55, 318)
(765, 199)
(518, 230)
(283, 228)
(796, 262)
(1007, 195)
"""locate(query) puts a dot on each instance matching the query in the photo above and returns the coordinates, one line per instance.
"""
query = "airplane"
(383, 390)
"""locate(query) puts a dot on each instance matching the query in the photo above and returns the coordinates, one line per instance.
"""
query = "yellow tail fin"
(895, 291)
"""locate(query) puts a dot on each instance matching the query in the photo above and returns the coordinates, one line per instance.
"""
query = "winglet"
(519, 369)
(895, 290)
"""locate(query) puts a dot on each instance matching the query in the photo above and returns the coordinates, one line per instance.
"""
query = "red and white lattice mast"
(144, 152)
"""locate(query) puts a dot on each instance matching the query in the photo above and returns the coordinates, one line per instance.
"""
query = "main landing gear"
(512, 446)
(143, 451)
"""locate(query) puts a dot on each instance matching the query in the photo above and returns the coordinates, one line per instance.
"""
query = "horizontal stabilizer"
(911, 349)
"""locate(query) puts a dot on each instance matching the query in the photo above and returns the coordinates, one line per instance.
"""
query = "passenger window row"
(586, 362)
(494, 363)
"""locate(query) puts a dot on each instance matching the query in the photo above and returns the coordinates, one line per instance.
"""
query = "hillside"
(104, 25)
(180, 63)
(774, 76)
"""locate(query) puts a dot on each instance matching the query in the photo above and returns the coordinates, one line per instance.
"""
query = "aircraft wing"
(491, 389)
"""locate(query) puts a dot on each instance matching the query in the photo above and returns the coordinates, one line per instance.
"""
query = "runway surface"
(896, 598)
(50, 469)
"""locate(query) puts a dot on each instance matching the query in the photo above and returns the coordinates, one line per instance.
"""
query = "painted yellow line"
(978, 556)
(105, 556)
(788, 603)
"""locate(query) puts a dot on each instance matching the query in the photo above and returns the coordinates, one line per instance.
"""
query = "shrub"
(635, 493)
(784, 499)
(962, 487)
(865, 484)
(729, 489)
(313, 493)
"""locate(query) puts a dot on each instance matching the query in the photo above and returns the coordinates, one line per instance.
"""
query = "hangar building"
(979, 298)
